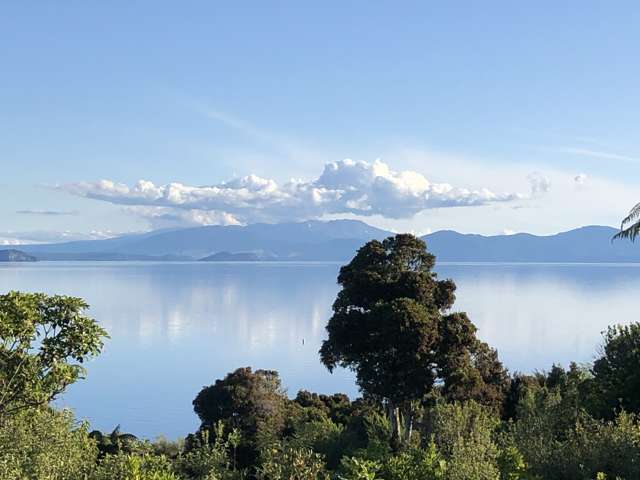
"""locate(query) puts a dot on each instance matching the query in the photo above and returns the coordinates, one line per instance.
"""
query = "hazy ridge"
(338, 240)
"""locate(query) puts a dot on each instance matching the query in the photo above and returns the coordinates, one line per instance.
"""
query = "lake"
(176, 327)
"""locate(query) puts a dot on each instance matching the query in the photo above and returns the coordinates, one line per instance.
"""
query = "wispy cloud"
(47, 212)
(288, 149)
(244, 127)
(586, 152)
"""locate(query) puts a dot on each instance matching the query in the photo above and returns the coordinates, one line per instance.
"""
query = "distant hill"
(233, 257)
(586, 244)
(15, 256)
(312, 240)
(338, 240)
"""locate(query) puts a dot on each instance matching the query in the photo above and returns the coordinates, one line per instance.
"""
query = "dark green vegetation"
(389, 325)
(436, 402)
(15, 256)
(43, 342)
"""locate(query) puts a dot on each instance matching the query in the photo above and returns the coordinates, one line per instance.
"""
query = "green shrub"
(284, 462)
(617, 371)
(463, 434)
(211, 460)
(45, 444)
(418, 463)
(124, 466)
(324, 437)
(354, 468)
(511, 464)
(612, 448)
(166, 447)
(555, 449)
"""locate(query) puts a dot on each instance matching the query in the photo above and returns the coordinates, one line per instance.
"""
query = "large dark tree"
(252, 402)
(389, 326)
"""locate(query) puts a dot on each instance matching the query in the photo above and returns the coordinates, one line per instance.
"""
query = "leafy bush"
(354, 468)
(284, 462)
(418, 463)
(511, 464)
(211, 460)
(608, 447)
(324, 437)
(254, 403)
(42, 443)
(44, 341)
(115, 442)
(463, 434)
(134, 467)
(617, 371)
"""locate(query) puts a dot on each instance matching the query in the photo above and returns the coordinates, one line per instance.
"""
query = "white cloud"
(585, 152)
(166, 217)
(580, 179)
(344, 187)
(46, 236)
(539, 184)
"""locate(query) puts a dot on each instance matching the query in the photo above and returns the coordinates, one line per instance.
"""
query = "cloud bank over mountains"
(344, 187)
(11, 237)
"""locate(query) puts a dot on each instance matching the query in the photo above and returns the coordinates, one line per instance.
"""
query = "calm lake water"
(176, 327)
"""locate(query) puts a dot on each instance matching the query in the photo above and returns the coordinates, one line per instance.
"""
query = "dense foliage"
(43, 342)
(471, 421)
(390, 326)
(251, 403)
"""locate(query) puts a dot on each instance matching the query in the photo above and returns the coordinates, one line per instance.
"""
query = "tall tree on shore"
(44, 341)
(390, 326)
(630, 227)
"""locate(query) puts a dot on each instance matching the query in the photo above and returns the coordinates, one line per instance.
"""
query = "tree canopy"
(44, 340)
(390, 325)
(251, 402)
(616, 373)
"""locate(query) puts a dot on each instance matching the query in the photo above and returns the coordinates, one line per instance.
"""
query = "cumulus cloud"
(344, 187)
(166, 217)
(539, 184)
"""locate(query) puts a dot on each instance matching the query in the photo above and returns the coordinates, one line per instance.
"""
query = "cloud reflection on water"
(177, 327)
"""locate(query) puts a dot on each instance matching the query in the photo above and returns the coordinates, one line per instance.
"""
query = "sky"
(485, 117)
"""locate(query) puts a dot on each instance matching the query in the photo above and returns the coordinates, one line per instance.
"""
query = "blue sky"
(536, 103)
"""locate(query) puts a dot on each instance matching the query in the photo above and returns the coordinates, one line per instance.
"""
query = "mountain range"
(337, 240)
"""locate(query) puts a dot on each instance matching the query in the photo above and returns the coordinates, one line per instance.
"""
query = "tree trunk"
(394, 417)
(408, 423)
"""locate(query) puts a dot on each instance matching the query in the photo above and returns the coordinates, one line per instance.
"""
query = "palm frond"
(634, 214)
(630, 227)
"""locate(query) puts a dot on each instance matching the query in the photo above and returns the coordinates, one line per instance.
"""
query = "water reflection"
(177, 327)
